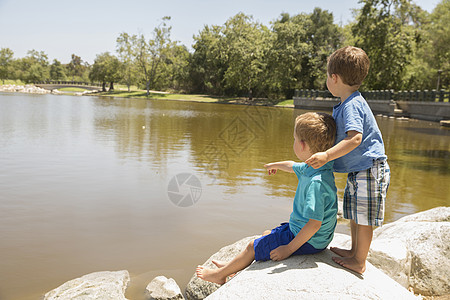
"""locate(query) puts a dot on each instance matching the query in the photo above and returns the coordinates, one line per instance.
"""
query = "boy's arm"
(281, 165)
(345, 146)
(302, 237)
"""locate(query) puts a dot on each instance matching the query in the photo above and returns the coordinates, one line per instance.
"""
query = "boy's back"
(355, 114)
(315, 198)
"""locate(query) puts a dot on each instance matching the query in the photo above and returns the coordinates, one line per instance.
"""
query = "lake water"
(90, 184)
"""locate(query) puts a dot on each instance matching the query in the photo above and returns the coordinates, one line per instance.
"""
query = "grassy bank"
(140, 94)
(72, 89)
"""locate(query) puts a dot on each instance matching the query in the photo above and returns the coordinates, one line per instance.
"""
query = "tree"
(6, 60)
(245, 47)
(75, 67)
(177, 67)
(34, 67)
(381, 31)
(151, 55)
(208, 63)
(439, 37)
(57, 71)
(324, 37)
(126, 54)
(287, 56)
(106, 68)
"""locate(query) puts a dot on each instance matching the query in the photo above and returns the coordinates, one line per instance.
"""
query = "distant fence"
(430, 96)
(425, 105)
(54, 82)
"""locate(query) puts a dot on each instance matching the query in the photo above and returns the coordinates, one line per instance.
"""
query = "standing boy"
(313, 219)
(359, 151)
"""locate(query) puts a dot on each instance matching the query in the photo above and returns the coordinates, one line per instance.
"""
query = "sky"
(86, 28)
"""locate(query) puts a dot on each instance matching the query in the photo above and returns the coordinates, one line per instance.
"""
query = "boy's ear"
(334, 77)
(303, 145)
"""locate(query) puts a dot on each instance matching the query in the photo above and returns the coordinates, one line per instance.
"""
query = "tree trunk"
(148, 87)
(103, 86)
(111, 86)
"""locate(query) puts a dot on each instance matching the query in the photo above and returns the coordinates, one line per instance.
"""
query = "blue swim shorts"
(279, 236)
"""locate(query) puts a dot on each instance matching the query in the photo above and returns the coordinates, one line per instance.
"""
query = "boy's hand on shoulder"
(317, 160)
(271, 168)
(280, 253)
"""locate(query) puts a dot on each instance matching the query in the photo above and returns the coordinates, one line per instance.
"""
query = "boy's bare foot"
(210, 275)
(342, 252)
(219, 263)
(351, 263)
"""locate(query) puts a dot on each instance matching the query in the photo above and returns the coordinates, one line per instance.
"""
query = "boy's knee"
(267, 232)
(250, 246)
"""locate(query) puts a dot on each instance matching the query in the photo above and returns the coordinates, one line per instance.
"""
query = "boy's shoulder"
(356, 102)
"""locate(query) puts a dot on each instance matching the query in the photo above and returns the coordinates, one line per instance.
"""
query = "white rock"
(200, 289)
(98, 285)
(393, 258)
(421, 253)
(162, 288)
(309, 277)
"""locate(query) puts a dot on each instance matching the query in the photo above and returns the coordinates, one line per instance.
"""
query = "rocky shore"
(32, 89)
(29, 89)
(408, 258)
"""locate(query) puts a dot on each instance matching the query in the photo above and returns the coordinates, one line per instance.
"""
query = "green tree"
(381, 31)
(106, 68)
(75, 67)
(439, 38)
(178, 68)
(245, 46)
(125, 50)
(34, 67)
(418, 72)
(151, 55)
(287, 56)
(323, 37)
(57, 71)
(6, 60)
(208, 63)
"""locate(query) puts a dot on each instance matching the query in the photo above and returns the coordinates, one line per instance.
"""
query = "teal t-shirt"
(315, 199)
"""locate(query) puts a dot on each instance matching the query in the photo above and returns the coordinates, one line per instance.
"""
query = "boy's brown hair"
(350, 63)
(318, 130)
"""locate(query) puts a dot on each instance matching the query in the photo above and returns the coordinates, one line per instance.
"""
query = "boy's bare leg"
(220, 264)
(240, 262)
(348, 252)
(357, 262)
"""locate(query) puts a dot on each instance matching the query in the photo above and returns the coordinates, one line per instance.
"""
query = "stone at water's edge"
(200, 289)
(163, 288)
(415, 251)
(445, 123)
(309, 277)
(99, 285)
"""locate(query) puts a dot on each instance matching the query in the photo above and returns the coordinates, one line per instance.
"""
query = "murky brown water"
(85, 182)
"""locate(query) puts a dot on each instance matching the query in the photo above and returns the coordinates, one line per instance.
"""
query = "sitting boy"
(313, 219)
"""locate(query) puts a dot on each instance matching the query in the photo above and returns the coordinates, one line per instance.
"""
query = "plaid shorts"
(365, 194)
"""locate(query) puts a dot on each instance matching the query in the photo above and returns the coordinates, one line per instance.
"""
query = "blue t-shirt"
(355, 114)
(315, 199)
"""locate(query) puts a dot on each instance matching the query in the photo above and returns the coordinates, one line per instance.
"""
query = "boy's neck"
(346, 93)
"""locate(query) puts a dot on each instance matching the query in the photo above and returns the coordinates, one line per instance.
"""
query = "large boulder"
(200, 289)
(309, 277)
(298, 277)
(415, 251)
(99, 285)
(163, 288)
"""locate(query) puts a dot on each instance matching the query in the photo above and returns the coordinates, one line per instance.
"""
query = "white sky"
(90, 27)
